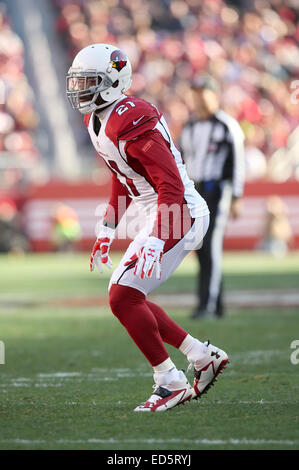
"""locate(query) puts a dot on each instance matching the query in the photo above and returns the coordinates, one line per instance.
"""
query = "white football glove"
(149, 257)
(99, 254)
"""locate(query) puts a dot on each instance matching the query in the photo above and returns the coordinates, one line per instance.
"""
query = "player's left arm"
(152, 151)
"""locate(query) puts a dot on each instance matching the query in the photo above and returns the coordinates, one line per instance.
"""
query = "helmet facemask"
(83, 89)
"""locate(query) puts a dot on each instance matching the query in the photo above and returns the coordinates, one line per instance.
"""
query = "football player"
(133, 138)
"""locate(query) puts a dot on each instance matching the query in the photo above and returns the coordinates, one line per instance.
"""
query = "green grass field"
(73, 376)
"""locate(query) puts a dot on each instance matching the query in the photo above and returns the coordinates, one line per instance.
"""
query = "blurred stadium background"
(46, 159)
(51, 186)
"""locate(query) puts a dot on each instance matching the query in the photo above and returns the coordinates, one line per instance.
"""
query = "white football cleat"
(167, 396)
(207, 369)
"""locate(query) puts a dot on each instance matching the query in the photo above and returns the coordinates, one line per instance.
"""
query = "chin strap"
(101, 108)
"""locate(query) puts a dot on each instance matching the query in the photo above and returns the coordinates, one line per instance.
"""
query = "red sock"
(170, 331)
(129, 306)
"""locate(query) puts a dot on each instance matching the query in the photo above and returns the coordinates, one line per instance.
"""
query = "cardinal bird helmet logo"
(118, 60)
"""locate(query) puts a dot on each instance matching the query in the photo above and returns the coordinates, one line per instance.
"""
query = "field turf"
(73, 376)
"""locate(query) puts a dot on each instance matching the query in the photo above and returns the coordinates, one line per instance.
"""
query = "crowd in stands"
(18, 118)
(251, 47)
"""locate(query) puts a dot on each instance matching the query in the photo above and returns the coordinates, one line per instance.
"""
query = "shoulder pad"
(130, 118)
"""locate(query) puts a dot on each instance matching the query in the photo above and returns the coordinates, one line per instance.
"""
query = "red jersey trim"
(86, 119)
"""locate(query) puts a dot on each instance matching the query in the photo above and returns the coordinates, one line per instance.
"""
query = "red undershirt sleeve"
(118, 203)
(153, 153)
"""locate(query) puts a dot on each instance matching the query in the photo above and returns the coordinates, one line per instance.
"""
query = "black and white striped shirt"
(214, 150)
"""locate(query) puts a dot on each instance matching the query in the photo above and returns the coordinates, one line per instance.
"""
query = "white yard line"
(230, 441)
(60, 375)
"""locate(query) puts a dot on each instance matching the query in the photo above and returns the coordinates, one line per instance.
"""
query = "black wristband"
(109, 224)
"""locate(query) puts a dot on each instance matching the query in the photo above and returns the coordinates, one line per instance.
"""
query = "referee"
(212, 143)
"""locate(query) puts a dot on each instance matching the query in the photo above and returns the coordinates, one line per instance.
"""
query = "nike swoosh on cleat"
(136, 122)
(215, 353)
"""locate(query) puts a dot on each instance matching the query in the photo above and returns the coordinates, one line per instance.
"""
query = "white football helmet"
(97, 70)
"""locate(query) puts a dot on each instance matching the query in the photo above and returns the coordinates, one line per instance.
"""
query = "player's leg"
(128, 303)
(130, 307)
(171, 333)
(207, 360)
(196, 352)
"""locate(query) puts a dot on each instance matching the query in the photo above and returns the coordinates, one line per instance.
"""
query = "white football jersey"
(123, 122)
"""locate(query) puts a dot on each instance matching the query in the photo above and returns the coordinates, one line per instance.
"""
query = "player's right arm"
(118, 203)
